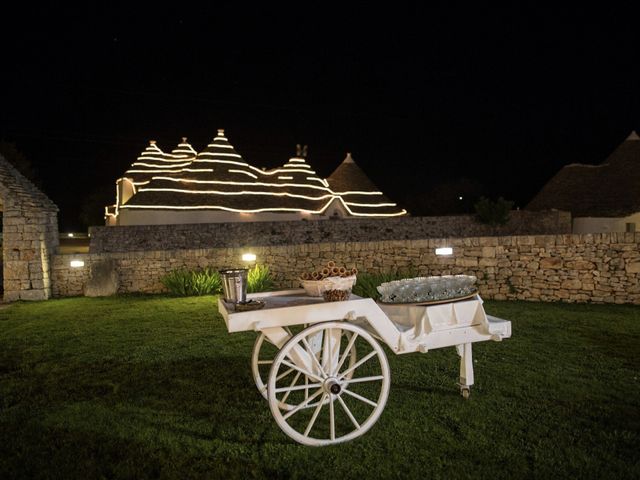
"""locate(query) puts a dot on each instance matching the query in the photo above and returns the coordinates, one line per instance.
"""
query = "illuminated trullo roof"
(358, 192)
(153, 161)
(218, 178)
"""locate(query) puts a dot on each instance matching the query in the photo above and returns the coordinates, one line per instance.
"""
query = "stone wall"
(571, 268)
(30, 236)
(213, 235)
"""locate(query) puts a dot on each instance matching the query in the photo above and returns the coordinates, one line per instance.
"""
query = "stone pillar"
(30, 238)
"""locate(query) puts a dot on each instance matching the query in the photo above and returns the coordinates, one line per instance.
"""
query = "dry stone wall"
(30, 236)
(570, 268)
(241, 234)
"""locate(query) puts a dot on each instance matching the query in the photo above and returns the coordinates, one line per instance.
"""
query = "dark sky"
(421, 95)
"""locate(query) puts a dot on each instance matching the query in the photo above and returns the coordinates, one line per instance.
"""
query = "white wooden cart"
(320, 364)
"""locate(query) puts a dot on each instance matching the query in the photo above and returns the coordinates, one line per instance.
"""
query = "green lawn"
(155, 387)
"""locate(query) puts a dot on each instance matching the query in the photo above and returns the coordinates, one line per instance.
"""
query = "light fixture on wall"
(69, 234)
(248, 257)
(444, 251)
(76, 263)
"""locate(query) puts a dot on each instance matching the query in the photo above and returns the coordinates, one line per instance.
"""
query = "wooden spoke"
(348, 412)
(298, 387)
(302, 370)
(360, 397)
(360, 362)
(332, 419)
(346, 352)
(315, 415)
(315, 360)
(286, 395)
(303, 404)
(366, 379)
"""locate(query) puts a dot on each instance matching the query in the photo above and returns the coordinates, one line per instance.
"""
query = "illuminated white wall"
(125, 191)
(604, 224)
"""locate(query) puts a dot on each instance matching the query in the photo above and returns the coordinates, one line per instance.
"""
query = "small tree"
(493, 213)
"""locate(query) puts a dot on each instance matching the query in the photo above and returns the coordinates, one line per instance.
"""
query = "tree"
(493, 213)
(92, 209)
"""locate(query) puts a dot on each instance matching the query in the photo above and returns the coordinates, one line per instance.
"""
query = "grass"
(155, 387)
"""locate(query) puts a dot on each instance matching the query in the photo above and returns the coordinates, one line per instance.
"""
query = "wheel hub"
(331, 385)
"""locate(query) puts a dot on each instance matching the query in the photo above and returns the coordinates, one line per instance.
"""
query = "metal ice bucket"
(234, 285)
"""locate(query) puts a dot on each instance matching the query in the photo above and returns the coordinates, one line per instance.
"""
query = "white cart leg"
(466, 368)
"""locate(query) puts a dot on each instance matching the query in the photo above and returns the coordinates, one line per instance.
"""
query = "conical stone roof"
(359, 194)
(220, 179)
(611, 189)
(153, 161)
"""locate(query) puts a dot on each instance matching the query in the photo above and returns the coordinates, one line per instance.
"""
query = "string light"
(231, 170)
(210, 154)
(222, 182)
(317, 180)
(155, 171)
(212, 145)
(184, 159)
(245, 192)
(228, 209)
(353, 204)
(183, 164)
(296, 165)
(200, 160)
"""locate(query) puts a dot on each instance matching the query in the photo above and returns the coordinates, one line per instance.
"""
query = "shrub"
(367, 282)
(259, 279)
(493, 213)
(186, 283)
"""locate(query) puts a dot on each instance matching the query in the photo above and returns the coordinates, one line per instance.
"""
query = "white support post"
(466, 364)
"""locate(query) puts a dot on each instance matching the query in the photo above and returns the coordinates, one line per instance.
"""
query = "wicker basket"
(315, 288)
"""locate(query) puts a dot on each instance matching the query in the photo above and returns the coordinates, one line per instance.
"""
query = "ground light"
(444, 251)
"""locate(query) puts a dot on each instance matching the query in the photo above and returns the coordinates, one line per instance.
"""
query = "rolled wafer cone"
(335, 271)
(331, 264)
(326, 271)
(354, 271)
(342, 271)
(315, 275)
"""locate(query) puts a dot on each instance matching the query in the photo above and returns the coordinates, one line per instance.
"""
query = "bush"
(259, 279)
(367, 282)
(493, 213)
(186, 283)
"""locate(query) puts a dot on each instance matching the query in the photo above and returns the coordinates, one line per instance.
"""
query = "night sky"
(422, 96)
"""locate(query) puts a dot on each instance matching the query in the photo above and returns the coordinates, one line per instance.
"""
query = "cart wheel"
(262, 358)
(340, 402)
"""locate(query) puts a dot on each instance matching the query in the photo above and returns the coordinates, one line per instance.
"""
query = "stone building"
(601, 198)
(217, 185)
(29, 236)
